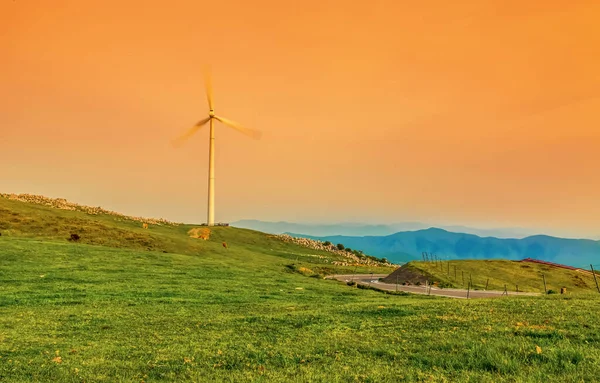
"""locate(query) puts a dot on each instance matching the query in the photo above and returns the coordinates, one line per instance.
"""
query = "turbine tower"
(211, 148)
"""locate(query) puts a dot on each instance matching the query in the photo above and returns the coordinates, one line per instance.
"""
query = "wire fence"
(467, 279)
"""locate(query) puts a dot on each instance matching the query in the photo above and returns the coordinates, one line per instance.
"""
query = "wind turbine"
(211, 149)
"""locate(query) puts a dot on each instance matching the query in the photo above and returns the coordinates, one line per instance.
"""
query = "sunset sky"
(483, 113)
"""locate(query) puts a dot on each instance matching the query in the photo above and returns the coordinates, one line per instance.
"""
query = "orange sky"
(485, 113)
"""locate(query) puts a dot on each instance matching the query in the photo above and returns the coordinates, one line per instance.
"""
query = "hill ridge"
(64, 204)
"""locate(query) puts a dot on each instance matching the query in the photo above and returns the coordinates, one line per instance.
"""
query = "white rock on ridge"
(63, 204)
(318, 245)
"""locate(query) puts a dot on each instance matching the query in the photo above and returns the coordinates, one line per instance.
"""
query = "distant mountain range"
(360, 229)
(409, 245)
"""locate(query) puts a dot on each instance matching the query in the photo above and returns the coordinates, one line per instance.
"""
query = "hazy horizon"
(474, 227)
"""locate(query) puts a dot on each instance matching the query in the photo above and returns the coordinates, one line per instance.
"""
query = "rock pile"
(352, 258)
(63, 204)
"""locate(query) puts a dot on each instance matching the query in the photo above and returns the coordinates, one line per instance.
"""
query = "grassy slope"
(527, 276)
(24, 220)
(214, 314)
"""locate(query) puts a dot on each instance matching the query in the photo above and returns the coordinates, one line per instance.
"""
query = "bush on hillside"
(340, 246)
(327, 243)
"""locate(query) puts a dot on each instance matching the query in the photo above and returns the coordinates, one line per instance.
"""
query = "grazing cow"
(74, 237)
(145, 225)
(224, 245)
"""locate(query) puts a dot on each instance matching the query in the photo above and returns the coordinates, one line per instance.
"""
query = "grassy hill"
(130, 304)
(39, 221)
(409, 245)
(496, 275)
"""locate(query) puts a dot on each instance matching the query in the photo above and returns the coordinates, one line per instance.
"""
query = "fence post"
(397, 282)
(517, 288)
(448, 268)
(470, 279)
(468, 289)
(463, 277)
(455, 272)
(545, 289)
(505, 291)
(595, 280)
(486, 283)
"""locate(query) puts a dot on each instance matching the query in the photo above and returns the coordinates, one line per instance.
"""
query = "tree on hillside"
(348, 249)
(340, 246)
(327, 243)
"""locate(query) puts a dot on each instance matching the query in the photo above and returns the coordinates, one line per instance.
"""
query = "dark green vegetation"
(72, 312)
(409, 245)
(495, 274)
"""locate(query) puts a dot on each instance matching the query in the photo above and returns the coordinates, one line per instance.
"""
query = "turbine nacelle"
(211, 113)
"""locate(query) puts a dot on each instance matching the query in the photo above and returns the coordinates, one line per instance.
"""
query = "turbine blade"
(256, 134)
(181, 139)
(208, 85)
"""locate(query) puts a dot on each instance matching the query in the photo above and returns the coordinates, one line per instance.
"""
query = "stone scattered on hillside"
(318, 245)
(63, 204)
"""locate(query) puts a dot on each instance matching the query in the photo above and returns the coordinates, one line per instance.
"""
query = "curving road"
(373, 281)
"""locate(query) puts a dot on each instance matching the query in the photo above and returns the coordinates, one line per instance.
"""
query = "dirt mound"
(406, 275)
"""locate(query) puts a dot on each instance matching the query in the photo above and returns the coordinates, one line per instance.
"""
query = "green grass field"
(120, 309)
(496, 274)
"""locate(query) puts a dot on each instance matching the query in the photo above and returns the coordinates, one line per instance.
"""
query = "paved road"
(373, 281)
